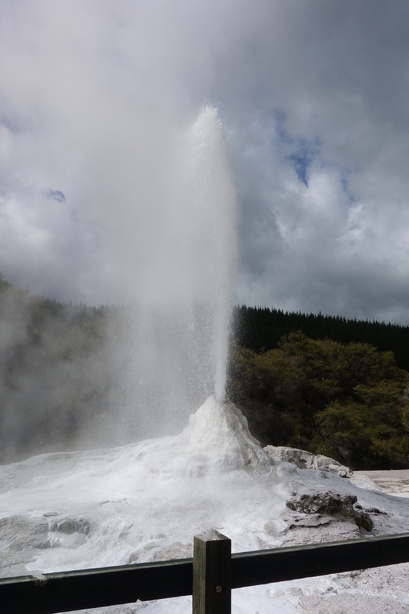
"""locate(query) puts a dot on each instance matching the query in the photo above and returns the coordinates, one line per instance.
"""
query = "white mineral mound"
(218, 437)
(146, 501)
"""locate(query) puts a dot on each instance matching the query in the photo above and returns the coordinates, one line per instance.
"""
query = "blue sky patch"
(56, 195)
(346, 188)
(299, 152)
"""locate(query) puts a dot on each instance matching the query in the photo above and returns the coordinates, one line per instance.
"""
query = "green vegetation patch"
(347, 401)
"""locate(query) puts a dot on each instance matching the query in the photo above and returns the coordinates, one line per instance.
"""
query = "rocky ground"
(145, 502)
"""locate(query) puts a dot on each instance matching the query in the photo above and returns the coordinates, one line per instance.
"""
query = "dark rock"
(324, 503)
(332, 504)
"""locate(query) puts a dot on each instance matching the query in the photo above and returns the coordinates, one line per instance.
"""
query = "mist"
(139, 370)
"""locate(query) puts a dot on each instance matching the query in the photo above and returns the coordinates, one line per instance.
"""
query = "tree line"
(261, 328)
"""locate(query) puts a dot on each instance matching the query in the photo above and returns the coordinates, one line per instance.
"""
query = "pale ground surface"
(395, 481)
(146, 501)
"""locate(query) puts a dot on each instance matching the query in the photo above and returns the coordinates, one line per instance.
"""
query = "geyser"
(214, 201)
(183, 268)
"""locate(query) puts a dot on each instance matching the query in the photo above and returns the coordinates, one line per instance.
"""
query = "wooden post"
(211, 573)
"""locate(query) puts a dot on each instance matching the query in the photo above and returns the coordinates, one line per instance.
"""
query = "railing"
(209, 576)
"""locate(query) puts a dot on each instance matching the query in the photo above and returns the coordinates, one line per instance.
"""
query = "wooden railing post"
(211, 573)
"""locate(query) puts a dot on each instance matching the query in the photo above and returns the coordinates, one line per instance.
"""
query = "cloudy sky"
(314, 100)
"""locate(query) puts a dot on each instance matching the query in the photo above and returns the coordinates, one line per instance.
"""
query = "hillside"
(303, 381)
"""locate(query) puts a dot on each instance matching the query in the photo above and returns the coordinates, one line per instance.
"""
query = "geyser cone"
(216, 441)
(218, 433)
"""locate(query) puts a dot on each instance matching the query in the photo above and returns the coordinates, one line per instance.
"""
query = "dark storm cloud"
(313, 96)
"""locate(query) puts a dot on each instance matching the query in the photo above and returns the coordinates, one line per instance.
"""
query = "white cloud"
(92, 93)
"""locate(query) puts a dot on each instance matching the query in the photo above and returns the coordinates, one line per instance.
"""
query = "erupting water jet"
(183, 274)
